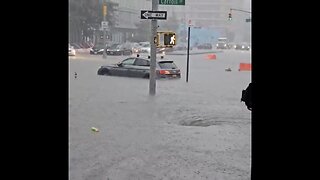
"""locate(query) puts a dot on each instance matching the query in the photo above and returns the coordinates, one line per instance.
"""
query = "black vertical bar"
(187, 77)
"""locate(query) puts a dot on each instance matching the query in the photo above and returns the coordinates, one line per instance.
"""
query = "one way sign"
(160, 15)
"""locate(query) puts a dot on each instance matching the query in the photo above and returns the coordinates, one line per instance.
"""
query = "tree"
(143, 32)
(86, 15)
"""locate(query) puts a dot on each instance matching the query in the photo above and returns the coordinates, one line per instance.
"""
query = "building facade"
(211, 15)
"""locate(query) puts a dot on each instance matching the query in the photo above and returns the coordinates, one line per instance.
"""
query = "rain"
(189, 130)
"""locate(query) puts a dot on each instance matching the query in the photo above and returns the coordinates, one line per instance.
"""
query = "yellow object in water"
(95, 129)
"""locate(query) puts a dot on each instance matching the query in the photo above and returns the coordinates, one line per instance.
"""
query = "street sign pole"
(152, 76)
(104, 29)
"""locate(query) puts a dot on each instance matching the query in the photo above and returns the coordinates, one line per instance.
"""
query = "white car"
(72, 51)
(145, 48)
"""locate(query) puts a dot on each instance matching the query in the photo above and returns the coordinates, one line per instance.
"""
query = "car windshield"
(119, 46)
(113, 46)
(98, 46)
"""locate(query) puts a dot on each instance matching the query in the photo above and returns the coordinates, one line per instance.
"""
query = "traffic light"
(230, 17)
(169, 39)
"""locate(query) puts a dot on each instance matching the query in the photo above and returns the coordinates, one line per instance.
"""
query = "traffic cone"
(245, 67)
(211, 56)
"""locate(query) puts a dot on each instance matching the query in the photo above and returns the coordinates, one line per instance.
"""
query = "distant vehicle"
(232, 45)
(223, 39)
(181, 47)
(222, 45)
(243, 46)
(205, 46)
(120, 49)
(72, 51)
(135, 47)
(145, 48)
(97, 49)
(75, 46)
(140, 67)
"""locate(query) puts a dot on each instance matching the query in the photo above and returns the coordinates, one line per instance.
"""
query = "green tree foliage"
(86, 15)
(143, 32)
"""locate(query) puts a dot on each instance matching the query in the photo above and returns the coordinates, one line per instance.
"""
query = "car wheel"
(146, 76)
(103, 72)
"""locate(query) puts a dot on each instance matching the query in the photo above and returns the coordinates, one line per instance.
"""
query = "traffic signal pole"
(104, 56)
(153, 56)
(231, 9)
(230, 13)
(187, 76)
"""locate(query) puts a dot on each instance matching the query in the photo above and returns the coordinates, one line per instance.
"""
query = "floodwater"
(188, 131)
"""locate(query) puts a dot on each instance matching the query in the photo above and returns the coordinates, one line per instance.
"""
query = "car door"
(122, 68)
(140, 68)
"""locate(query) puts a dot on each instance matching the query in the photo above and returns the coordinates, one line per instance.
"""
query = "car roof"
(158, 59)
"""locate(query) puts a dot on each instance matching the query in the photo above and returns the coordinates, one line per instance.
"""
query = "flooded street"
(187, 131)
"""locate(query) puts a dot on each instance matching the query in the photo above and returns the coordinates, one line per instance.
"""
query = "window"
(167, 65)
(141, 62)
(128, 61)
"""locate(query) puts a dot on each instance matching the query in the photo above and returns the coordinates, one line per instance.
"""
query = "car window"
(128, 61)
(167, 65)
(141, 62)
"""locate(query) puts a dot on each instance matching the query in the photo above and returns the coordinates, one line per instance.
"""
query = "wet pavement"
(194, 130)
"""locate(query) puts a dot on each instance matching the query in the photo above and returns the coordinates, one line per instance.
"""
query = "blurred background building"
(209, 19)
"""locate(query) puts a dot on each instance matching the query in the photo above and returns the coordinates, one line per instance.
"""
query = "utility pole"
(153, 56)
(187, 77)
(104, 30)
(240, 10)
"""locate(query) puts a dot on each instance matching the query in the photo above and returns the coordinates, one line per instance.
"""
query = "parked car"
(72, 51)
(140, 67)
(120, 49)
(205, 46)
(97, 49)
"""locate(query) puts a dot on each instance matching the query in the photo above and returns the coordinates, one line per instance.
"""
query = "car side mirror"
(119, 64)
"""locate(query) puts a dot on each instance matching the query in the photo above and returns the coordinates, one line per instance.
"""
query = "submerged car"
(140, 67)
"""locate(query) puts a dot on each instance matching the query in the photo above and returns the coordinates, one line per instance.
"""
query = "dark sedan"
(120, 49)
(97, 49)
(140, 67)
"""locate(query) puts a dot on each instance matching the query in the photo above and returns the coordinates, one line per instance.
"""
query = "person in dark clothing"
(246, 96)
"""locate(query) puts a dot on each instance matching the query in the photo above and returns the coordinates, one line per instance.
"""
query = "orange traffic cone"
(211, 56)
(245, 67)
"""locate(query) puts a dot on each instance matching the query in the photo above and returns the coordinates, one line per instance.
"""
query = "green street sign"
(172, 2)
